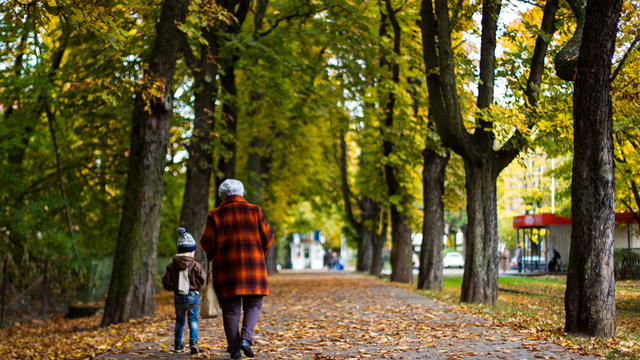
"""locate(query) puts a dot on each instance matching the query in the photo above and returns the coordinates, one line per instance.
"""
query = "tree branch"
(512, 147)
(452, 131)
(292, 16)
(187, 53)
(566, 60)
(624, 58)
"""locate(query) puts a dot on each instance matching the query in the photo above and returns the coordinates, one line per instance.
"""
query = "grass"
(539, 310)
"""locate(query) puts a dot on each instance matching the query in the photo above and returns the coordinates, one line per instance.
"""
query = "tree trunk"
(132, 288)
(272, 258)
(590, 296)
(364, 250)
(195, 204)
(401, 250)
(433, 175)
(377, 241)
(401, 247)
(253, 167)
(480, 281)
(363, 261)
(227, 157)
(227, 160)
(482, 162)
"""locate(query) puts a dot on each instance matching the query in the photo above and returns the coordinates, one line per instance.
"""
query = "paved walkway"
(345, 316)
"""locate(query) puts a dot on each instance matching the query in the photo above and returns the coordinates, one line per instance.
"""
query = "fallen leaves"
(329, 316)
(81, 338)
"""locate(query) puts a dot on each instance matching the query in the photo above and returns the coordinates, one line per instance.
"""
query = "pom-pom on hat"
(186, 243)
(230, 187)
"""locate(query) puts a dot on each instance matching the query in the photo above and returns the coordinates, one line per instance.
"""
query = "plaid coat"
(236, 240)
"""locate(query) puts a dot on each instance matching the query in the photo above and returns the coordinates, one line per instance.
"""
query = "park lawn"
(538, 311)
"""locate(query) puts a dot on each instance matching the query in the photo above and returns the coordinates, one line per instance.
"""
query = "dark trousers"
(251, 306)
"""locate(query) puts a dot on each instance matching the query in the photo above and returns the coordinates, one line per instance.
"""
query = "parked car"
(453, 259)
(529, 262)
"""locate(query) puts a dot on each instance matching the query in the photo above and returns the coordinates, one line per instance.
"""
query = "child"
(184, 277)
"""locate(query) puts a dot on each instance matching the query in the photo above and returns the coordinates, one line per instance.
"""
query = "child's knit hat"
(186, 243)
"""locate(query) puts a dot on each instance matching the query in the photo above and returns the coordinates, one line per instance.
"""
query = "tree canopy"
(327, 110)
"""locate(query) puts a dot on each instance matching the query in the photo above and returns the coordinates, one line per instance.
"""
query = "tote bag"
(209, 304)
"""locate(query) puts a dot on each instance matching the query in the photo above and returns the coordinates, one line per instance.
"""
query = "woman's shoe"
(245, 346)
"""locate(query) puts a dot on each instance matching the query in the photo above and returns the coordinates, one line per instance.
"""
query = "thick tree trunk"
(227, 158)
(480, 281)
(272, 258)
(482, 162)
(377, 242)
(590, 295)
(401, 250)
(227, 161)
(195, 204)
(132, 288)
(433, 175)
(363, 261)
(401, 247)
(365, 250)
(253, 167)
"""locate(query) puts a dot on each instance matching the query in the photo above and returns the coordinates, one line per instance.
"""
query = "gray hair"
(230, 187)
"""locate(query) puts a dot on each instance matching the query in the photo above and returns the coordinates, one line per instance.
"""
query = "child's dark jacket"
(179, 263)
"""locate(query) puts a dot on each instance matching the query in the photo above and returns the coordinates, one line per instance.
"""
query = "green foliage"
(310, 74)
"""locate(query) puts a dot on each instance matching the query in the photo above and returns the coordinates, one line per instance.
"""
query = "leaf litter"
(307, 316)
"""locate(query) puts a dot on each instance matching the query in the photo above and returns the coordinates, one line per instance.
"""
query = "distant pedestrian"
(237, 239)
(519, 258)
(555, 260)
(327, 259)
(185, 277)
(504, 259)
(336, 263)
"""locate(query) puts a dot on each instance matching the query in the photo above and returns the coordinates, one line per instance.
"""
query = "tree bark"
(401, 248)
(590, 294)
(433, 175)
(566, 59)
(377, 241)
(227, 158)
(272, 259)
(132, 288)
(365, 250)
(363, 261)
(195, 204)
(482, 162)
(480, 281)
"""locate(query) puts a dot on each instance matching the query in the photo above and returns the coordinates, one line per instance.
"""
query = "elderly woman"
(236, 240)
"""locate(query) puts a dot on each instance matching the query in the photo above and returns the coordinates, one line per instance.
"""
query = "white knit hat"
(230, 187)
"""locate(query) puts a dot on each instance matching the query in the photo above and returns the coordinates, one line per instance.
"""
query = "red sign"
(535, 220)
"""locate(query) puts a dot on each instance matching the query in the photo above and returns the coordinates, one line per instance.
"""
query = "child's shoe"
(194, 347)
(178, 347)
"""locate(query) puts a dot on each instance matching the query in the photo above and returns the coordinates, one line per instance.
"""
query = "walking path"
(324, 315)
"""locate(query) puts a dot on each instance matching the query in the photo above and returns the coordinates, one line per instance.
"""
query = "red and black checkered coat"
(236, 240)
